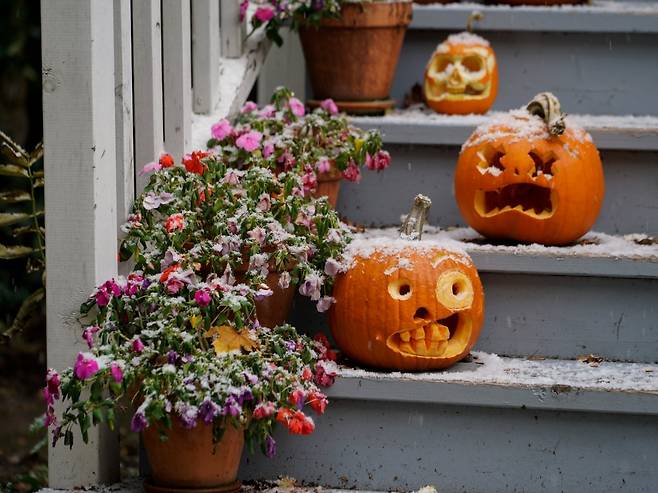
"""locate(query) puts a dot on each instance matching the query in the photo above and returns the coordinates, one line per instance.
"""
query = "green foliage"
(21, 221)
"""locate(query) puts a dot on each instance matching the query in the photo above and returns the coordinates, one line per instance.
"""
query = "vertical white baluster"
(232, 30)
(205, 54)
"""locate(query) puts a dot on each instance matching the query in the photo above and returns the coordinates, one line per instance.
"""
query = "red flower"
(318, 402)
(296, 422)
(193, 164)
(166, 160)
(167, 272)
(175, 222)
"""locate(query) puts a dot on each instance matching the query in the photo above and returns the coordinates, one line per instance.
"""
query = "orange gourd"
(407, 305)
(461, 76)
(530, 176)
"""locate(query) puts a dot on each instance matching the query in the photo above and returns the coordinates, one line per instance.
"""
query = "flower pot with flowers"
(320, 145)
(351, 47)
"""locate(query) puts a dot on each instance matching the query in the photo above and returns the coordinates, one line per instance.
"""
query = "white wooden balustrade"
(123, 81)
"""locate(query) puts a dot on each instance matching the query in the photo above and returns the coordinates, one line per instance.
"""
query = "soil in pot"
(189, 460)
(354, 58)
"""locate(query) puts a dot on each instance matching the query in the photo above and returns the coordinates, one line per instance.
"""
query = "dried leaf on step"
(591, 359)
(228, 339)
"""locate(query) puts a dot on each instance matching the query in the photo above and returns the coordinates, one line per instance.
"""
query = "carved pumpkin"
(462, 76)
(530, 176)
(407, 305)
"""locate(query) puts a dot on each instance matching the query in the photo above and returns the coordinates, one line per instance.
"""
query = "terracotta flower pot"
(329, 186)
(353, 58)
(274, 309)
(189, 460)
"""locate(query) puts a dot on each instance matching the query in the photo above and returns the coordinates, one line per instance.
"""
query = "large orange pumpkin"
(407, 305)
(461, 76)
(530, 176)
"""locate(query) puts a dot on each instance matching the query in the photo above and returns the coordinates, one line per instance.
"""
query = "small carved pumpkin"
(530, 176)
(407, 305)
(462, 76)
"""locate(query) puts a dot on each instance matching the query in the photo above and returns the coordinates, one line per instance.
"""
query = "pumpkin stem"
(475, 16)
(412, 227)
(546, 106)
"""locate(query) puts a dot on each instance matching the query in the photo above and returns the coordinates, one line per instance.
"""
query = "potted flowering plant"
(259, 227)
(351, 47)
(202, 374)
(321, 145)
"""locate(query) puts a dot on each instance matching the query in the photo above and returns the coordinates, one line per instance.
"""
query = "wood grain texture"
(205, 54)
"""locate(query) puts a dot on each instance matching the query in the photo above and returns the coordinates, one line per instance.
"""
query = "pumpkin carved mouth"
(527, 198)
(432, 338)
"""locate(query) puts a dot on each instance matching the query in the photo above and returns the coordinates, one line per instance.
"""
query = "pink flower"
(257, 234)
(325, 303)
(268, 149)
(102, 297)
(51, 390)
(379, 161)
(88, 335)
(249, 141)
(248, 107)
(352, 173)
(268, 111)
(138, 345)
(150, 167)
(264, 202)
(202, 298)
(296, 106)
(297, 398)
(244, 5)
(311, 286)
(332, 267)
(264, 410)
(175, 222)
(174, 285)
(264, 13)
(116, 372)
(329, 106)
(85, 366)
(309, 181)
(307, 374)
(325, 373)
(324, 165)
(221, 129)
(232, 176)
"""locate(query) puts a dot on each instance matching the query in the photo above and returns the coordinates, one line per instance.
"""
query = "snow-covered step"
(595, 297)
(593, 17)
(490, 425)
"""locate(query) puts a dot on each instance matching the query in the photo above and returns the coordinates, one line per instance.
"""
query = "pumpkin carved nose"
(422, 314)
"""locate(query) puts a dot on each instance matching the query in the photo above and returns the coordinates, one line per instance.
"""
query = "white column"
(232, 30)
(81, 200)
(205, 54)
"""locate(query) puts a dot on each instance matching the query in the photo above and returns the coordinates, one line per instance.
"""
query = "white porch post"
(81, 200)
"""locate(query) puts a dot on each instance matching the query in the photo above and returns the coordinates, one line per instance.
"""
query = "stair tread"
(597, 16)
(419, 125)
(492, 380)
(597, 254)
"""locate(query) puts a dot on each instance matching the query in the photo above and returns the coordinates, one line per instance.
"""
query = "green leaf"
(14, 251)
(7, 218)
(12, 170)
(14, 197)
(12, 151)
(25, 313)
(37, 153)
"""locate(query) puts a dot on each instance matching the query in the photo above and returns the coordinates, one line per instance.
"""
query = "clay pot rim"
(352, 15)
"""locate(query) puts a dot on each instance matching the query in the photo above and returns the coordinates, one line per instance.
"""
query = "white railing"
(122, 81)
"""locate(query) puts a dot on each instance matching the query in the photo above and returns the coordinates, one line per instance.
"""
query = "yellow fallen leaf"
(228, 339)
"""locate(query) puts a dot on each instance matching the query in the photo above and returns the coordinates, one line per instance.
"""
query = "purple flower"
(311, 286)
(138, 423)
(171, 256)
(116, 371)
(329, 106)
(138, 345)
(88, 335)
(208, 411)
(332, 267)
(202, 298)
(263, 292)
(231, 407)
(248, 107)
(85, 366)
(221, 129)
(150, 167)
(250, 377)
(249, 141)
(264, 13)
(270, 447)
(290, 345)
(296, 106)
(245, 395)
(325, 303)
(153, 201)
(187, 414)
(172, 357)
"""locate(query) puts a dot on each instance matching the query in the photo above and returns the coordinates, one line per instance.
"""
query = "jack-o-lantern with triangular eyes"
(531, 176)
(461, 76)
(407, 305)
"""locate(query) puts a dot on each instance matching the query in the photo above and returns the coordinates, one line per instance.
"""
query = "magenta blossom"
(249, 141)
(221, 129)
(150, 168)
(352, 173)
(138, 422)
(116, 372)
(248, 107)
(268, 111)
(268, 149)
(296, 106)
(379, 161)
(85, 366)
(138, 345)
(324, 165)
(329, 106)
(264, 13)
(202, 298)
(88, 335)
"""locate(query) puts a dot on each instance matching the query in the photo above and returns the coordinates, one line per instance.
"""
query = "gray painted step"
(596, 17)
(591, 72)
(507, 425)
(558, 302)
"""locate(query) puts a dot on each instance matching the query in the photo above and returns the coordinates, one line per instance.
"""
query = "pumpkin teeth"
(430, 340)
(527, 198)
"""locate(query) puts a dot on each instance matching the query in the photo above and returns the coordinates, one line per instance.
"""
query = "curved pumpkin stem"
(412, 227)
(546, 106)
(475, 16)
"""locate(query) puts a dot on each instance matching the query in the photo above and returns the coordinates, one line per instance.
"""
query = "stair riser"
(403, 446)
(556, 316)
(583, 70)
(629, 205)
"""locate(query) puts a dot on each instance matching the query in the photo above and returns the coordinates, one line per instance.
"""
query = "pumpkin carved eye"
(454, 290)
(542, 166)
(400, 289)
